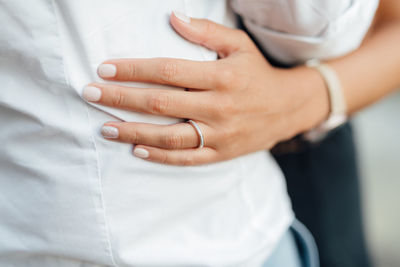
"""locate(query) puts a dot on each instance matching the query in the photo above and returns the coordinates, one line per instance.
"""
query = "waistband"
(297, 248)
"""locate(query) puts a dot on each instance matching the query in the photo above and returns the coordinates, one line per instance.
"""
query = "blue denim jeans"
(296, 249)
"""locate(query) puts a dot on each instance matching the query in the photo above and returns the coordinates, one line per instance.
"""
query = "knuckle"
(225, 77)
(130, 70)
(229, 106)
(209, 31)
(133, 137)
(210, 75)
(118, 98)
(225, 108)
(210, 28)
(158, 103)
(164, 159)
(173, 141)
(168, 70)
(241, 34)
(242, 37)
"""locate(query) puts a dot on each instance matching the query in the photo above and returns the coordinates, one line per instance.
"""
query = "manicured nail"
(109, 132)
(107, 70)
(91, 93)
(141, 153)
(182, 17)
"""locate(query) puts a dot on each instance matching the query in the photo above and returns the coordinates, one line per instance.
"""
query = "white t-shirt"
(68, 197)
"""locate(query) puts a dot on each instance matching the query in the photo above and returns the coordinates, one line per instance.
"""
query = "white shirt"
(294, 31)
(68, 197)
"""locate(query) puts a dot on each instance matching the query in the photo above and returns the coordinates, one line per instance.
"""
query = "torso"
(71, 198)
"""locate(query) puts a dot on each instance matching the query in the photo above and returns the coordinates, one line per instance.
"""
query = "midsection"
(137, 212)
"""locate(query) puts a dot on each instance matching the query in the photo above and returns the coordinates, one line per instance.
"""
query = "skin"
(241, 103)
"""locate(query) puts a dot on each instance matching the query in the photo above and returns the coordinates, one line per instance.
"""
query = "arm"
(366, 75)
(373, 70)
(244, 104)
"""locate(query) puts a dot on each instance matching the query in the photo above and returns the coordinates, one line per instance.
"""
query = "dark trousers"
(323, 183)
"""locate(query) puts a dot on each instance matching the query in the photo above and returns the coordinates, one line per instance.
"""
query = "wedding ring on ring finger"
(198, 131)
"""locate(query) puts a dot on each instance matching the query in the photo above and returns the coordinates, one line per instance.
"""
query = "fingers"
(173, 144)
(180, 72)
(209, 34)
(177, 72)
(176, 136)
(172, 103)
(186, 157)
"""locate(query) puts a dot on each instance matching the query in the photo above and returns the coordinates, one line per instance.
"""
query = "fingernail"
(107, 70)
(141, 153)
(182, 17)
(109, 132)
(91, 93)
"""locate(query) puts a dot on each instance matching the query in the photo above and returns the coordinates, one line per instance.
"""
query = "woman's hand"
(241, 103)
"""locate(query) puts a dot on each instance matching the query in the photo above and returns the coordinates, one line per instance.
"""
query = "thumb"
(211, 35)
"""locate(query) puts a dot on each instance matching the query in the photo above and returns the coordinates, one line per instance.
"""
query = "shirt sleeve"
(293, 31)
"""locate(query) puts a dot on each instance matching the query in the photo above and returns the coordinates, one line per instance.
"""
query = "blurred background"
(378, 138)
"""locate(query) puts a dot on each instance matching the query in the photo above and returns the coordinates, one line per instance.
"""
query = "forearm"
(366, 75)
(373, 70)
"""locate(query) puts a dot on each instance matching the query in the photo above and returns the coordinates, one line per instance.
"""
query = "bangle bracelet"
(337, 103)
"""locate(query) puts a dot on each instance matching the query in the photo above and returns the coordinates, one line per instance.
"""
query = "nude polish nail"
(182, 17)
(91, 93)
(141, 153)
(109, 132)
(107, 70)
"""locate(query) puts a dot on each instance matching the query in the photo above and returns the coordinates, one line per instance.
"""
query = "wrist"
(310, 105)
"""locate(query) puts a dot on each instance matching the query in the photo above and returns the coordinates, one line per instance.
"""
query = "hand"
(241, 103)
